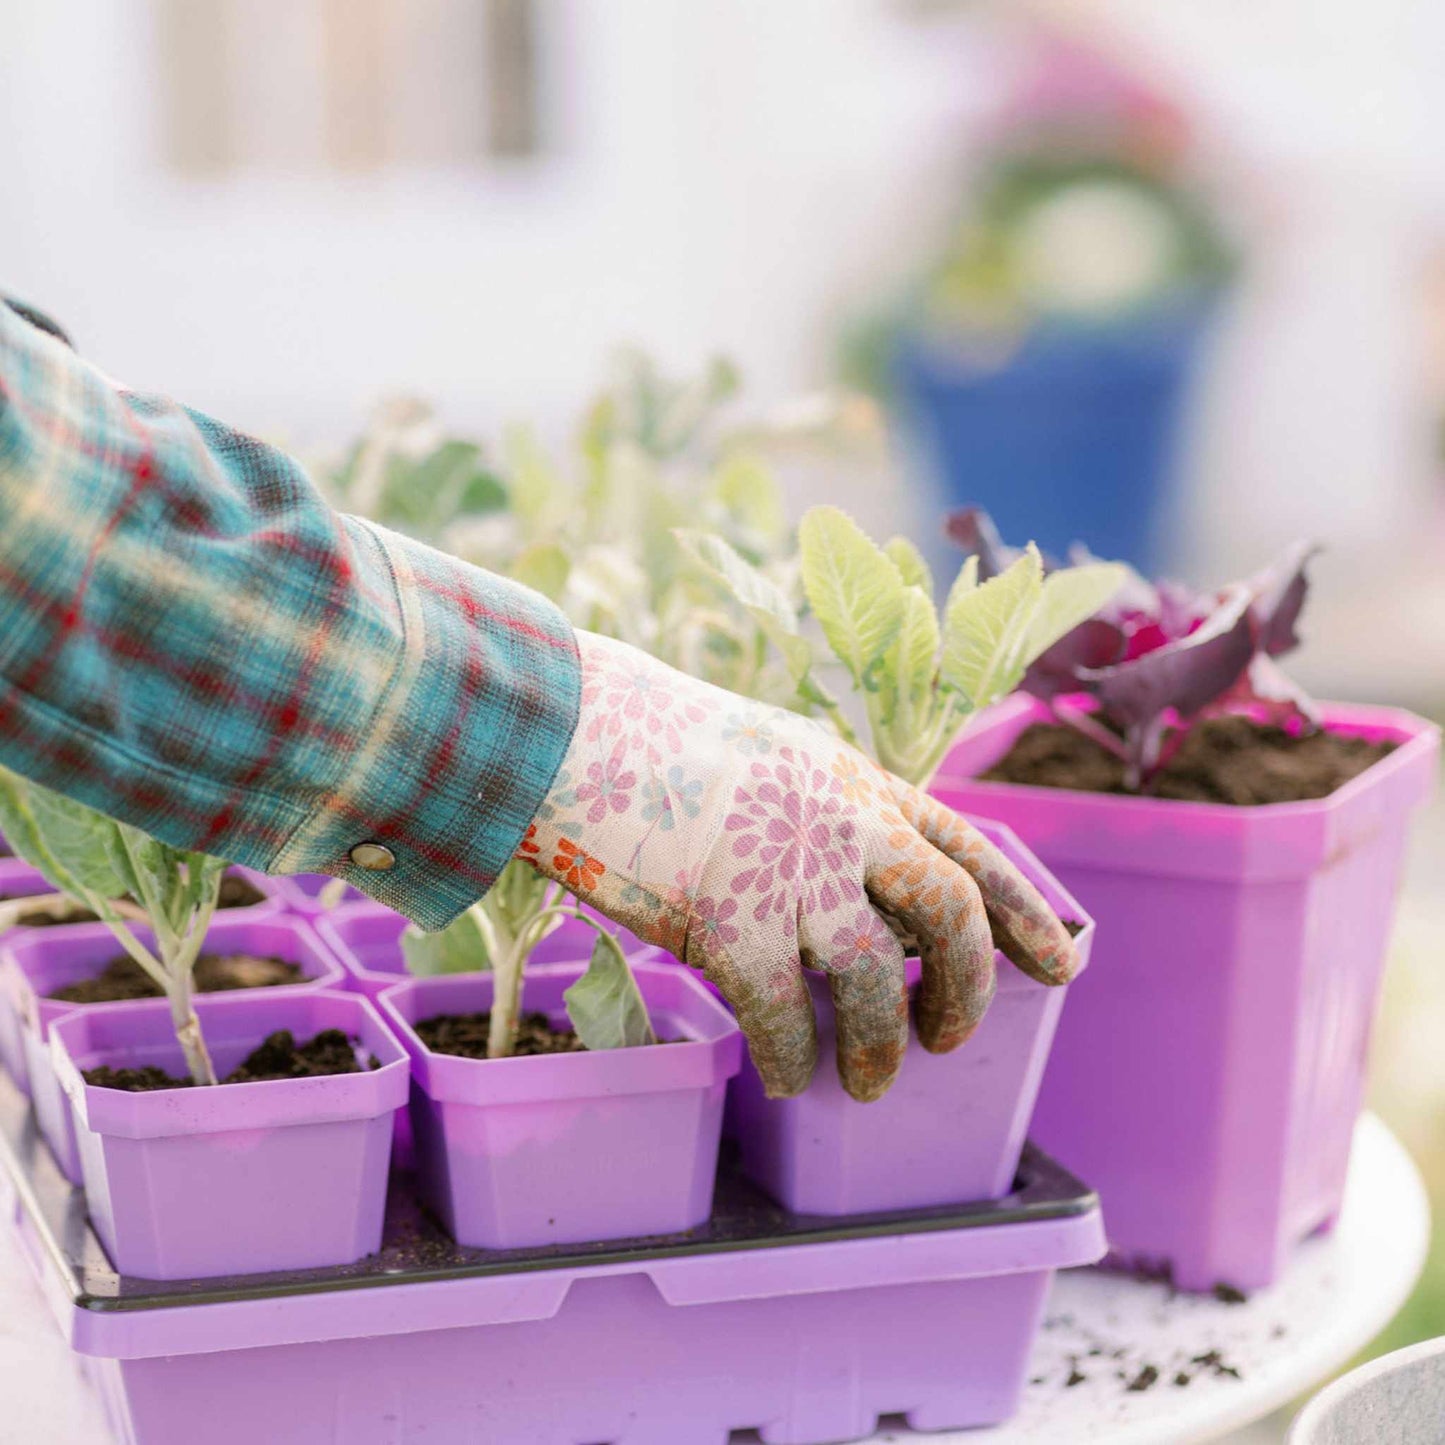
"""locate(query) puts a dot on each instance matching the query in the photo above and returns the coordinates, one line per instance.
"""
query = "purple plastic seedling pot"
(366, 938)
(238, 1178)
(302, 893)
(37, 961)
(563, 1148)
(1210, 1069)
(952, 1126)
(19, 880)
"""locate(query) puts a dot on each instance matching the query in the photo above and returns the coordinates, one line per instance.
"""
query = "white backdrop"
(728, 176)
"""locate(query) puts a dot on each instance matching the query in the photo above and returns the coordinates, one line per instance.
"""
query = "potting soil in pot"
(236, 892)
(279, 1057)
(123, 978)
(466, 1036)
(1233, 760)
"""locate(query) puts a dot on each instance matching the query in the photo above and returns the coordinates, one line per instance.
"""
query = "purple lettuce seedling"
(1157, 656)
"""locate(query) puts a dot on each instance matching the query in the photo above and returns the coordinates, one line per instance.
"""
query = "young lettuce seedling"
(123, 875)
(919, 677)
(499, 933)
(1158, 655)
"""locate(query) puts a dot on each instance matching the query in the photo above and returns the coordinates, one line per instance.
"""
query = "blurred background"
(1168, 279)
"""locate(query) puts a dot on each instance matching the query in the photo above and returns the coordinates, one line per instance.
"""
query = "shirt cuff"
(464, 743)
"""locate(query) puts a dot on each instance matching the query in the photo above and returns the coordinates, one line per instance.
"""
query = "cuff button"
(373, 857)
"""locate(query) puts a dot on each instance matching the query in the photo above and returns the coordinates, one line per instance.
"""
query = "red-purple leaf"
(1279, 595)
(971, 529)
(1265, 688)
(1185, 675)
(1091, 645)
(1161, 652)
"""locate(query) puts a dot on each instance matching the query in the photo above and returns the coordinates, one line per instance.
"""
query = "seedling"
(593, 531)
(124, 876)
(919, 677)
(499, 933)
(1157, 656)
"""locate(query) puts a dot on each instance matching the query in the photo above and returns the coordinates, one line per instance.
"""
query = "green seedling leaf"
(750, 493)
(461, 947)
(854, 589)
(605, 1004)
(1070, 597)
(912, 665)
(544, 566)
(82, 841)
(765, 602)
(102, 862)
(911, 567)
(986, 628)
(451, 481)
(18, 823)
(534, 487)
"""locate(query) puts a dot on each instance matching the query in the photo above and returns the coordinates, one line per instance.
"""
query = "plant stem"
(1086, 724)
(507, 970)
(188, 1031)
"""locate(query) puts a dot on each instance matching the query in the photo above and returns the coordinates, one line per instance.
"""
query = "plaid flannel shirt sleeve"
(193, 641)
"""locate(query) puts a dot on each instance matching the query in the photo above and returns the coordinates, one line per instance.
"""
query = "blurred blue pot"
(1069, 437)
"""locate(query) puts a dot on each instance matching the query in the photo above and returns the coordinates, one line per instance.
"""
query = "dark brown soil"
(122, 978)
(280, 1057)
(1222, 760)
(236, 892)
(466, 1035)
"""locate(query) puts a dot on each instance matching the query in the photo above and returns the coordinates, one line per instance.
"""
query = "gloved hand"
(748, 841)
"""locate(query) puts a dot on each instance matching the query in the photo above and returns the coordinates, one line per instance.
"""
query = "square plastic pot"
(19, 880)
(366, 939)
(37, 961)
(239, 1178)
(565, 1148)
(1211, 1066)
(301, 893)
(949, 1130)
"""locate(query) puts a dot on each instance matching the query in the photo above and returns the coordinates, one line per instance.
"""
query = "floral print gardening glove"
(751, 842)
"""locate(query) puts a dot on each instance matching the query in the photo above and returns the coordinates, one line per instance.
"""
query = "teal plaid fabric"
(193, 641)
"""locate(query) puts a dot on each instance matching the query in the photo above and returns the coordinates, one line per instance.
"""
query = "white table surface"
(1341, 1292)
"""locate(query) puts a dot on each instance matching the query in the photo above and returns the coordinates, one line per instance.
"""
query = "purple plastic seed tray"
(805, 1329)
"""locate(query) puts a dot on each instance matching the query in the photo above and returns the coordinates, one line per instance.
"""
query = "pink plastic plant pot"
(366, 938)
(37, 961)
(240, 1178)
(19, 880)
(1210, 1069)
(570, 1147)
(949, 1130)
(301, 893)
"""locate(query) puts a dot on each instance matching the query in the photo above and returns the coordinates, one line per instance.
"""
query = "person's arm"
(192, 640)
